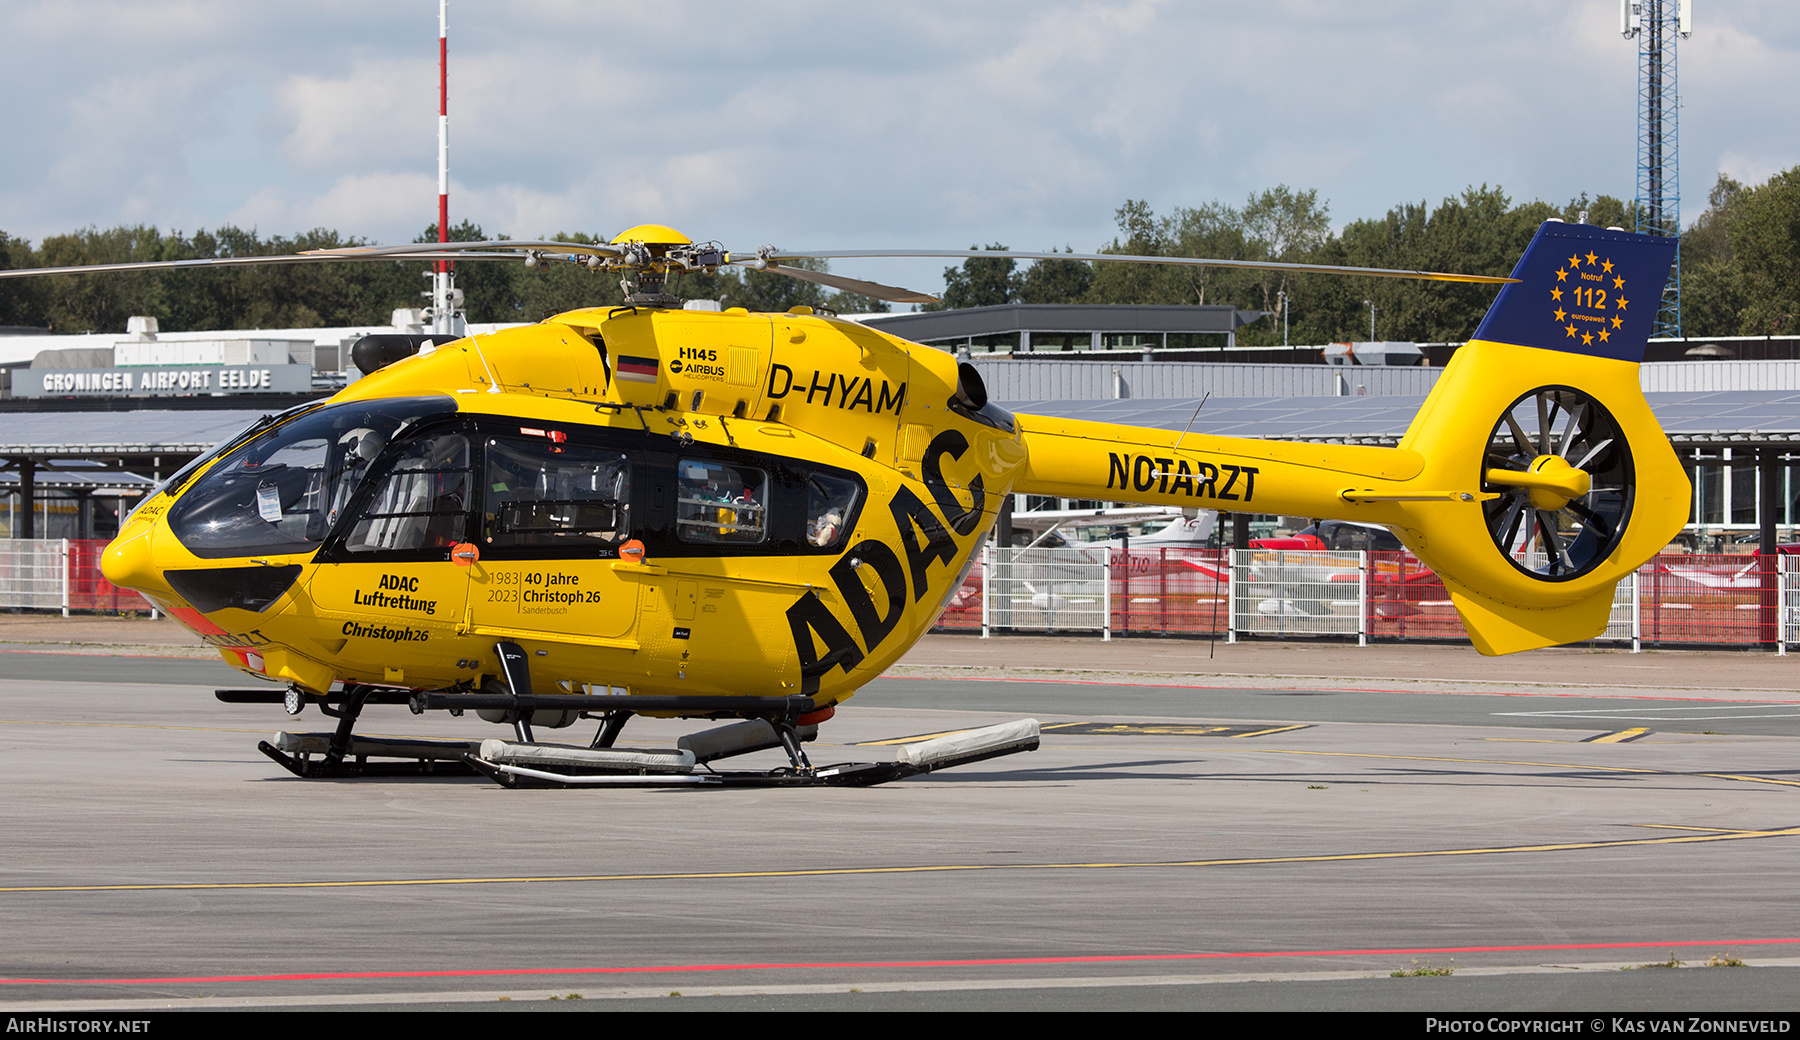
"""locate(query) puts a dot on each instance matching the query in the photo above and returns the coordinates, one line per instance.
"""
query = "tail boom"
(1532, 480)
(1078, 458)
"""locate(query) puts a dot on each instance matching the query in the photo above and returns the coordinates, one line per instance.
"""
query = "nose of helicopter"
(128, 563)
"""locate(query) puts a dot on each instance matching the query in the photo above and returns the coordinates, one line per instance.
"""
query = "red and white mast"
(443, 293)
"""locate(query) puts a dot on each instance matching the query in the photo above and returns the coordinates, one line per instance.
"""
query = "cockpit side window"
(422, 500)
(283, 491)
(1348, 538)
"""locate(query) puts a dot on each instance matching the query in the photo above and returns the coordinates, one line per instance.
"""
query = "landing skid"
(516, 764)
(527, 765)
(307, 755)
(769, 723)
(343, 754)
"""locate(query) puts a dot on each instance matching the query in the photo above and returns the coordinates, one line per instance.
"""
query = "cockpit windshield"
(283, 491)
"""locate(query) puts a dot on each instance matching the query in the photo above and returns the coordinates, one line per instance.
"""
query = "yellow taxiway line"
(941, 868)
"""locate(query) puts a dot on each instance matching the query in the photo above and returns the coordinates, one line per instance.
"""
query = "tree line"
(1740, 262)
(290, 296)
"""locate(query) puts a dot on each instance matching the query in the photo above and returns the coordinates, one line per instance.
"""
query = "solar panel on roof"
(1696, 417)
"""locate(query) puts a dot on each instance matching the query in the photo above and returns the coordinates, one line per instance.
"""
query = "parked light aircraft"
(1175, 528)
(650, 510)
(1186, 529)
(1326, 570)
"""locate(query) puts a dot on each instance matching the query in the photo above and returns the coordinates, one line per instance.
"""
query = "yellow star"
(1607, 267)
(1587, 340)
(1622, 302)
(1618, 283)
(1562, 275)
(1617, 321)
(1559, 314)
(1555, 294)
(1591, 259)
(1570, 329)
(1575, 261)
(1605, 335)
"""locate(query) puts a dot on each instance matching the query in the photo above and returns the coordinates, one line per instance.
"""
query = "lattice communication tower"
(1656, 25)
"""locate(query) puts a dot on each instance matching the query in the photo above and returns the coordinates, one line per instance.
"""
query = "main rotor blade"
(319, 257)
(410, 251)
(851, 285)
(592, 248)
(1179, 261)
(487, 251)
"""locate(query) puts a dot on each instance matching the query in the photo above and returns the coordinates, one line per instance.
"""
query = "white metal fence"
(1279, 593)
(1673, 600)
(1047, 590)
(1789, 604)
(35, 574)
(61, 574)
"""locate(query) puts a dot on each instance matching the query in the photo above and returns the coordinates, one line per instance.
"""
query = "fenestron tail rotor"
(1562, 470)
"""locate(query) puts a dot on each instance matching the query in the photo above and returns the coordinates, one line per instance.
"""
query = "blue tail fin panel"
(1584, 290)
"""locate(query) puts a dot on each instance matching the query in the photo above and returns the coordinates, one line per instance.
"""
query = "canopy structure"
(1099, 329)
(81, 455)
(1706, 420)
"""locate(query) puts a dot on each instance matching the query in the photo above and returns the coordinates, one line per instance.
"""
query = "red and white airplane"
(1179, 529)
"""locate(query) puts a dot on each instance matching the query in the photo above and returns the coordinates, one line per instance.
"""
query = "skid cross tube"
(374, 695)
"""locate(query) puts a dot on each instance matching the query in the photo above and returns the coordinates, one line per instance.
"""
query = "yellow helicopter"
(650, 510)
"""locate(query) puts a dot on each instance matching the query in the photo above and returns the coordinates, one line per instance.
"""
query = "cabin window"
(545, 494)
(422, 502)
(718, 503)
(830, 503)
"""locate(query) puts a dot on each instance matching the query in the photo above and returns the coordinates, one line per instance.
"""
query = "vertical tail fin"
(1582, 290)
(1543, 412)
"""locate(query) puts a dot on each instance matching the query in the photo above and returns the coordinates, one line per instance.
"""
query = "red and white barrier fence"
(1673, 600)
(60, 574)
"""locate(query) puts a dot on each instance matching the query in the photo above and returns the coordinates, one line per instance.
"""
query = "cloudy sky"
(818, 124)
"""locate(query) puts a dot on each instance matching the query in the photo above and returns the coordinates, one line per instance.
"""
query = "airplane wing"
(1044, 519)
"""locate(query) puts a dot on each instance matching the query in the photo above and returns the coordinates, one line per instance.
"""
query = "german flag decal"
(637, 369)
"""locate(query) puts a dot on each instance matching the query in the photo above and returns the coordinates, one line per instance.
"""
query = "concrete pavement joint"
(1361, 684)
(804, 989)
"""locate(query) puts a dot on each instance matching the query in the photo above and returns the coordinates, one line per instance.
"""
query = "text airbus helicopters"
(650, 510)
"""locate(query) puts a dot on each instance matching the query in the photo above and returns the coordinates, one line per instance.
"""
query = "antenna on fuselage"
(1191, 419)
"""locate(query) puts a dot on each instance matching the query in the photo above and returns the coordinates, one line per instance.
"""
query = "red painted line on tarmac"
(1138, 958)
(89, 657)
(1072, 682)
(1097, 682)
(1152, 686)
